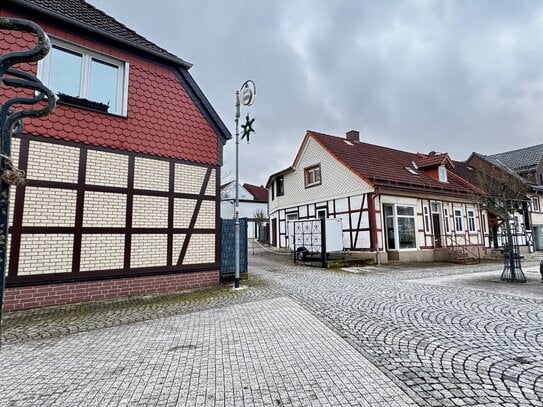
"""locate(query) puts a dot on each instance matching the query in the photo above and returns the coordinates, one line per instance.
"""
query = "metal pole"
(324, 255)
(236, 205)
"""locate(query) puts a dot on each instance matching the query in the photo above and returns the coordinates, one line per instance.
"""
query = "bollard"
(541, 270)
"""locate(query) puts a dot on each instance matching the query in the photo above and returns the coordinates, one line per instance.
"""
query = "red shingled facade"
(184, 132)
(110, 191)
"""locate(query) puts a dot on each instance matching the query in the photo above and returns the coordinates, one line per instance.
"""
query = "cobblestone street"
(438, 335)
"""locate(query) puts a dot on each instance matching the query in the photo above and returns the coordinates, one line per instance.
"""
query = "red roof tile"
(260, 193)
(95, 20)
(386, 167)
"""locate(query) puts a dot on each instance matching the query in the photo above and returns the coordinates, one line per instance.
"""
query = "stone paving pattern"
(225, 357)
(307, 336)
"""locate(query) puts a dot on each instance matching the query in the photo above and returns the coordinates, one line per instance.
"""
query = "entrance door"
(437, 229)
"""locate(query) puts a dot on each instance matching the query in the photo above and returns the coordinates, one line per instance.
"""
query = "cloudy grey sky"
(455, 76)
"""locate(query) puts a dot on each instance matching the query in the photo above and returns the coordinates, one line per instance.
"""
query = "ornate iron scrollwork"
(11, 118)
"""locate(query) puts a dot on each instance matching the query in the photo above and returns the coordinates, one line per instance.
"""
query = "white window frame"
(472, 225)
(458, 220)
(426, 219)
(442, 173)
(394, 218)
(519, 223)
(121, 108)
(318, 212)
(536, 207)
(446, 220)
(314, 172)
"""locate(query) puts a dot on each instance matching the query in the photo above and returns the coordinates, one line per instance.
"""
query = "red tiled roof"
(89, 17)
(386, 167)
(260, 193)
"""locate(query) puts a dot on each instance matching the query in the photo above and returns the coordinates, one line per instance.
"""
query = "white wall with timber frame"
(353, 212)
(438, 222)
(341, 194)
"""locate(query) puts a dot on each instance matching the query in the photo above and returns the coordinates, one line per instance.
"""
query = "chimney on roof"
(353, 135)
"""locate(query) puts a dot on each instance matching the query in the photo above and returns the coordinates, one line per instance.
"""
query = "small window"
(86, 78)
(446, 219)
(280, 186)
(312, 176)
(411, 171)
(535, 204)
(471, 221)
(484, 223)
(519, 224)
(458, 222)
(426, 220)
(291, 217)
(442, 173)
(321, 213)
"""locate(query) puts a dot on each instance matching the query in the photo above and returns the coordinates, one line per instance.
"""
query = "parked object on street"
(315, 237)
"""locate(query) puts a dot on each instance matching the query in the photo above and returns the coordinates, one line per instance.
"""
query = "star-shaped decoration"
(247, 128)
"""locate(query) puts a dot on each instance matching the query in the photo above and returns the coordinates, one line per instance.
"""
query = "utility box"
(228, 244)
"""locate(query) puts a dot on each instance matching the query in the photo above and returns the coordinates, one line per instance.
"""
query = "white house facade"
(390, 209)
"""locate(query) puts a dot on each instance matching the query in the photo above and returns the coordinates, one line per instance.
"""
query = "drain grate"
(522, 360)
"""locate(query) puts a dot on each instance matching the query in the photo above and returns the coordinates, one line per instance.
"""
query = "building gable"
(166, 113)
(336, 179)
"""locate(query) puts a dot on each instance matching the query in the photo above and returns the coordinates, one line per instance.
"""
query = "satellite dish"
(247, 94)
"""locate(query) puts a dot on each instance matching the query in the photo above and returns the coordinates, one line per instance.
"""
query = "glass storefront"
(400, 226)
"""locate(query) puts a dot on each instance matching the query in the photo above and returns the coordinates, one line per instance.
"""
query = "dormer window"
(442, 172)
(86, 78)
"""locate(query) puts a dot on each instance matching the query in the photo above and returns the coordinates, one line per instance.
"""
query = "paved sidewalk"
(263, 353)
(430, 334)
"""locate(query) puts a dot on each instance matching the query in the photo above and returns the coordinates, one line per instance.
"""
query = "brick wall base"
(38, 296)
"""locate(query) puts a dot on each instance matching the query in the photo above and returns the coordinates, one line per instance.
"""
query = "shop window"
(400, 226)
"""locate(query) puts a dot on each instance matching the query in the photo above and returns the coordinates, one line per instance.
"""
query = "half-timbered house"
(520, 167)
(394, 204)
(122, 193)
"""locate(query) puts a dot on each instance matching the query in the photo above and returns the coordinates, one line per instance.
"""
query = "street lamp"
(244, 96)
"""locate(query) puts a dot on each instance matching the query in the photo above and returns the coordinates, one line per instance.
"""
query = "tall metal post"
(247, 97)
(236, 204)
(10, 121)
